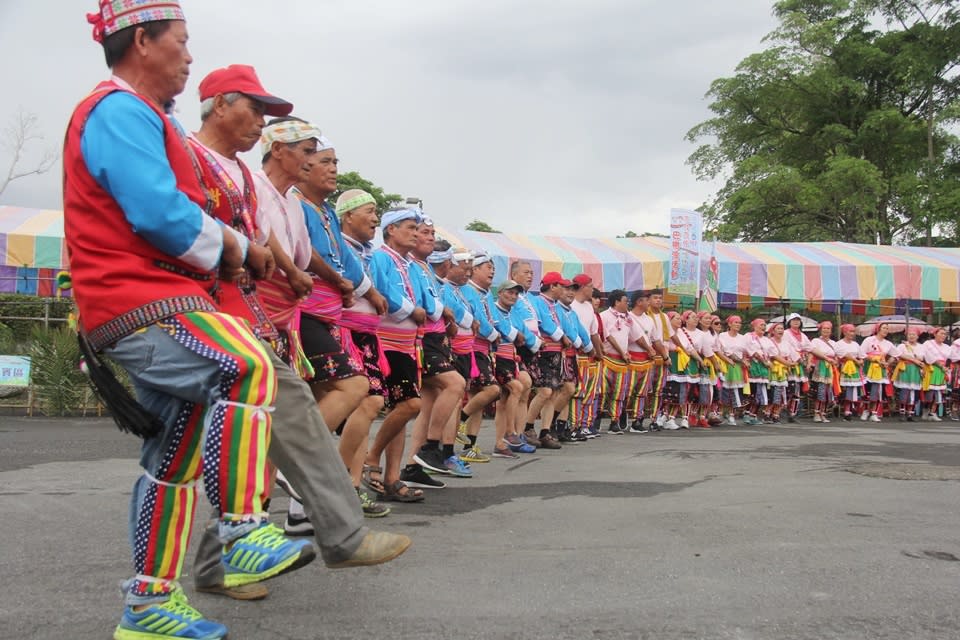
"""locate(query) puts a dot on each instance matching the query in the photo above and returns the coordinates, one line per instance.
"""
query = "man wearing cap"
(581, 345)
(507, 371)
(585, 403)
(550, 361)
(483, 385)
(231, 110)
(432, 441)
(398, 335)
(145, 258)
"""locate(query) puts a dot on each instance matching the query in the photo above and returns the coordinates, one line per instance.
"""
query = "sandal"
(399, 492)
(371, 483)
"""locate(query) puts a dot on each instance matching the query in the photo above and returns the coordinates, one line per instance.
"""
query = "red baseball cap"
(241, 78)
(582, 279)
(553, 277)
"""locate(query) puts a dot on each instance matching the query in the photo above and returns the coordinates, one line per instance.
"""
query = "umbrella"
(895, 324)
(809, 324)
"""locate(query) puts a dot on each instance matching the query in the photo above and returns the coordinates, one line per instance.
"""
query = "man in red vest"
(232, 108)
(145, 260)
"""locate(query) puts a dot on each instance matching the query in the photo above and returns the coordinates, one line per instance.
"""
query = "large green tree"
(353, 180)
(842, 129)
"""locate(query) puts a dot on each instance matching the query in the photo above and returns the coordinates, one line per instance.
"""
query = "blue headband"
(399, 215)
(439, 257)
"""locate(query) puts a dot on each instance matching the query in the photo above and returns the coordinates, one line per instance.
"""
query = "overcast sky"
(561, 117)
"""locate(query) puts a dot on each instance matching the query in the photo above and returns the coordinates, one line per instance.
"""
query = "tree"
(353, 180)
(17, 137)
(841, 129)
(480, 225)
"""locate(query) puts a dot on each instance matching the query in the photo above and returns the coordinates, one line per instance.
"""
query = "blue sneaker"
(174, 618)
(264, 553)
(525, 448)
(457, 467)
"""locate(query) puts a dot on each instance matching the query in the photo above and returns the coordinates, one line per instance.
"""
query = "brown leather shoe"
(549, 442)
(377, 547)
(531, 437)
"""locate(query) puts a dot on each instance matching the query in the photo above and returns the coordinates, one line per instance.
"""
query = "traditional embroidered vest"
(235, 205)
(121, 282)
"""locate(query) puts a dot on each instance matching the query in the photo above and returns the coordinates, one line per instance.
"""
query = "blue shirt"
(124, 148)
(327, 240)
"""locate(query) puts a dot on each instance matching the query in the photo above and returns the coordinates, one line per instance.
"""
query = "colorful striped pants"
(620, 378)
(658, 380)
(637, 400)
(585, 403)
(212, 384)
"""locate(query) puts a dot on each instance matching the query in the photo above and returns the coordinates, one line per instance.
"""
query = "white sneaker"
(817, 418)
(875, 418)
(935, 417)
(826, 419)
(864, 415)
(731, 421)
(671, 425)
(684, 423)
(661, 419)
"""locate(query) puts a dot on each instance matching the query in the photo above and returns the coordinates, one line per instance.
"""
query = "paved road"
(787, 532)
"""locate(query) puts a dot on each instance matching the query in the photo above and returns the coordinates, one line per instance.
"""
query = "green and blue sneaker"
(264, 553)
(174, 618)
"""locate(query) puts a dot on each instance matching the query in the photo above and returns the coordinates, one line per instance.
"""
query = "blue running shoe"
(525, 448)
(264, 553)
(174, 618)
(457, 467)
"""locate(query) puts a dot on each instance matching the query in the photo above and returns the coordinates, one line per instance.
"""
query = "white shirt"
(283, 214)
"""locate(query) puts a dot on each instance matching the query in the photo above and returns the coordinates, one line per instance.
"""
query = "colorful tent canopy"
(31, 250)
(821, 276)
(825, 276)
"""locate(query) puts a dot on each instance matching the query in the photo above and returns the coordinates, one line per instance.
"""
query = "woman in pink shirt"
(731, 352)
(797, 376)
(783, 358)
(826, 371)
(851, 370)
(758, 349)
(685, 362)
(908, 374)
(936, 352)
(876, 352)
(705, 341)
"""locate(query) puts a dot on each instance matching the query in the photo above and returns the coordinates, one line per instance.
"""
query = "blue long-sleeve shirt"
(327, 240)
(453, 299)
(548, 325)
(124, 151)
(501, 320)
(477, 301)
(392, 283)
(573, 328)
(428, 296)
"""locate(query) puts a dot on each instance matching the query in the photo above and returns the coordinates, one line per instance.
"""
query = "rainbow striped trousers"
(212, 383)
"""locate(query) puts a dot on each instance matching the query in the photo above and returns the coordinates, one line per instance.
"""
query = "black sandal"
(399, 492)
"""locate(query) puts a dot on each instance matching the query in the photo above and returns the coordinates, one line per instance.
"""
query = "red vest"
(236, 206)
(121, 282)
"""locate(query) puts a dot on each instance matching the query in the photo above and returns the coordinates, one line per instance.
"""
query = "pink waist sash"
(325, 302)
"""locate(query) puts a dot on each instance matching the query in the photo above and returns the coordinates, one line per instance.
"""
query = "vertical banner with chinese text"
(685, 240)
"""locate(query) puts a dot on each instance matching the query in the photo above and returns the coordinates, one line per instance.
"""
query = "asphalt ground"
(846, 530)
